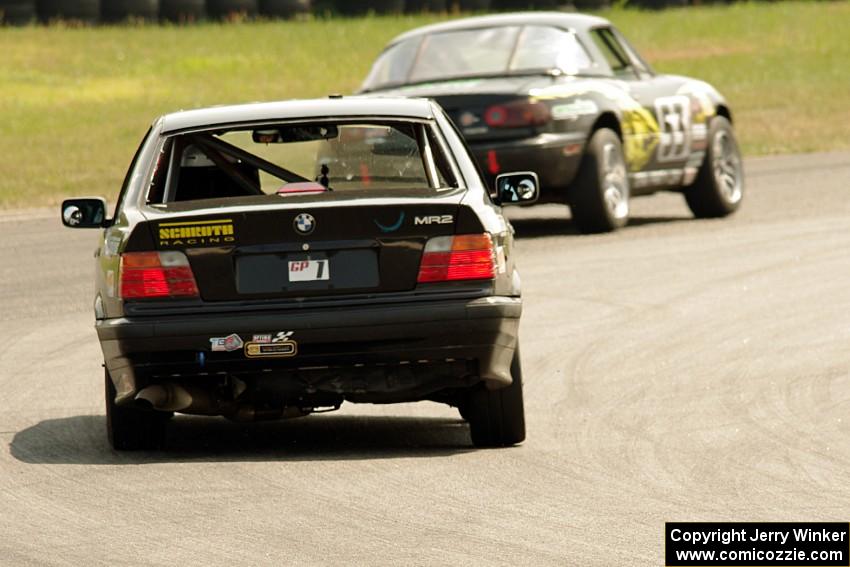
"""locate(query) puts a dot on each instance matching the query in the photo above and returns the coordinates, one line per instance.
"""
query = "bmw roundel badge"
(304, 223)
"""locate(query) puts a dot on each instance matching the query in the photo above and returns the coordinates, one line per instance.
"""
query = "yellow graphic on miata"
(641, 132)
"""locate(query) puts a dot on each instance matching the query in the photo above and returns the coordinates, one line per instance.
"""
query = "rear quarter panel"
(125, 232)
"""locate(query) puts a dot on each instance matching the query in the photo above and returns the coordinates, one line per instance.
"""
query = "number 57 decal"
(674, 122)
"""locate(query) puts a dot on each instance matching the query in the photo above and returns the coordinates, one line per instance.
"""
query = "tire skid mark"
(586, 357)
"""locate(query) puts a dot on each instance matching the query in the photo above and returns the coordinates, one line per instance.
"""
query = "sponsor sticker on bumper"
(226, 344)
(271, 350)
(264, 346)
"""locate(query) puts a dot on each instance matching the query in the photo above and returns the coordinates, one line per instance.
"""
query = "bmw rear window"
(297, 158)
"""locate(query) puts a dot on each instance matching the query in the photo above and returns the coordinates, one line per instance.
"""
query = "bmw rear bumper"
(554, 157)
(477, 334)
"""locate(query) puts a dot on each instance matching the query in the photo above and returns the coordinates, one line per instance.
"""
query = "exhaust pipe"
(201, 401)
(171, 397)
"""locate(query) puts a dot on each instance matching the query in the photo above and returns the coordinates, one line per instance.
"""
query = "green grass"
(782, 66)
(74, 102)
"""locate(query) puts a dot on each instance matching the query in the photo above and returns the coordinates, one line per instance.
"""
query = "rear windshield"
(298, 158)
(485, 51)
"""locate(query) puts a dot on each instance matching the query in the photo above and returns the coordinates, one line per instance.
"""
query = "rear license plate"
(298, 272)
(309, 270)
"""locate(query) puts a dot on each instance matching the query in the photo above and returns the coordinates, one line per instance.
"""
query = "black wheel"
(366, 6)
(592, 4)
(182, 11)
(79, 10)
(17, 12)
(121, 10)
(600, 195)
(224, 9)
(473, 5)
(497, 417)
(417, 6)
(284, 8)
(132, 429)
(463, 409)
(719, 187)
(518, 5)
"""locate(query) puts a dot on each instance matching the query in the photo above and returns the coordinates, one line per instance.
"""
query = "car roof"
(344, 107)
(570, 20)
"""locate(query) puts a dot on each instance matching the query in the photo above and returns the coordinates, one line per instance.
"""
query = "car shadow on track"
(527, 228)
(82, 440)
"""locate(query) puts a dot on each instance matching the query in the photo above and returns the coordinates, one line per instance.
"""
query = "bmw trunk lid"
(301, 246)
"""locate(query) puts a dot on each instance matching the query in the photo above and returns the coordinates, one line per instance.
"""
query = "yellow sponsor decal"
(196, 233)
(286, 349)
(281, 345)
(640, 137)
(641, 132)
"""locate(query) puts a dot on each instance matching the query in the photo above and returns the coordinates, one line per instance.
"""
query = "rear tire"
(600, 199)
(497, 417)
(78, 11)
(419, 6)
(17, 12)
(348, 8)
(182, 11)
(132, 429)
(474, 5)
(230, 9)
(719, 186)
(284, 8)
(124, 10)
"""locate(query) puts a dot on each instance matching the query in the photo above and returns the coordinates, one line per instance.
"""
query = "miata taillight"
(149, 275)
(517, 114)
(460, 257)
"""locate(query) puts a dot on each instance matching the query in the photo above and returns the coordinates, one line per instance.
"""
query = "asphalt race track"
(677, 370)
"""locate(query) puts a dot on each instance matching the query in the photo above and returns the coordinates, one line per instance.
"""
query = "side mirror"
(517, 188)
(84, 213)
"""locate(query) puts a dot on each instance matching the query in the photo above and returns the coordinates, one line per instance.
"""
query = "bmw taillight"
(460, 257)
(148, 275)
(517, 114)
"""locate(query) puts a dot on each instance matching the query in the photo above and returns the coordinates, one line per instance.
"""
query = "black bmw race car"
(274, 260)
(566, 96)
